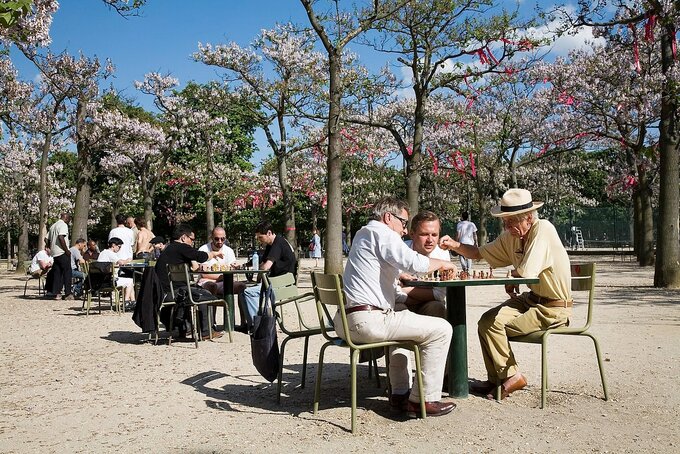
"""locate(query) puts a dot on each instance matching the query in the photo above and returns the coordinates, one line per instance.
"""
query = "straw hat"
(515, 201)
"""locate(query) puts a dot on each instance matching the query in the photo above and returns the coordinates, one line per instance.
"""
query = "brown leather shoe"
(510, 386)
(215, 335)
(398, 401)
(431, 408)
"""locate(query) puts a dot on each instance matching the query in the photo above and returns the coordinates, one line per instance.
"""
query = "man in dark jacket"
(181, 250)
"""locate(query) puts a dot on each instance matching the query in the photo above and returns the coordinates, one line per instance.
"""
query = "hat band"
(516, 207)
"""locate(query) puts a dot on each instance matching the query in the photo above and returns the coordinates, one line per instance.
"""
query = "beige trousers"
(431, 334)
(515, 317)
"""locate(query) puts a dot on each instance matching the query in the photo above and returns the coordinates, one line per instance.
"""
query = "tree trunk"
(42, 216)
(643, 228)
(333, 259)
(84, 176)
(287, 198)
(22, 250)
(667, 269)
(209, 214)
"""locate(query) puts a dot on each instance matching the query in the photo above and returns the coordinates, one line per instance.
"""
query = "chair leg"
(193, 325)
(319, 372)
(304, 362)
(419, 380)
(280, 377)
(544, 369)
(353, 374)
(599, 363)
(26, 286)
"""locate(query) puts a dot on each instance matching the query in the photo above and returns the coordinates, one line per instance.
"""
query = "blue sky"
(164, 37)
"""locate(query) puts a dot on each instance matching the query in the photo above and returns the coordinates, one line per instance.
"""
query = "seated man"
(111, 255)
(425, 229)
(181, 250)
(42, 262)
(533, 247)
(77, 276)
(375, 260)
(213, 282)
(92, 252)
(278, 258)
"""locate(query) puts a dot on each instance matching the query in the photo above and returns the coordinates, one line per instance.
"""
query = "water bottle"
(256, 261)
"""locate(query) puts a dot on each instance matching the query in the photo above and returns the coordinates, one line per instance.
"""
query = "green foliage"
(11, 11)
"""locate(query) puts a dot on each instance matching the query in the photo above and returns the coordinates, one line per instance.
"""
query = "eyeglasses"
(220, 238)
(192, 239)
(403, 221)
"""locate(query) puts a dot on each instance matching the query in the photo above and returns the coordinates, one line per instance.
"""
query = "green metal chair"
(329, 294)
(582, 279)
(290, 317)
(181, 273)
(40, 278)
(100, 280)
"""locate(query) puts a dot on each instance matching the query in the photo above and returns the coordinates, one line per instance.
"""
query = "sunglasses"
(222, 238)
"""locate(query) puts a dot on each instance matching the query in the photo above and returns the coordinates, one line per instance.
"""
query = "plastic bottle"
(256, 261)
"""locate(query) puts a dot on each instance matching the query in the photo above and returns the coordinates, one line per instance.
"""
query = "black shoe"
(398, 402)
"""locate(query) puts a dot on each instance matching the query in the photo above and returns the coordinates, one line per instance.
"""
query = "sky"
(163, 38)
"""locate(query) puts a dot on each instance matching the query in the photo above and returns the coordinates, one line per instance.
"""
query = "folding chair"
(582, 279)
(329, 294)
(100, 280)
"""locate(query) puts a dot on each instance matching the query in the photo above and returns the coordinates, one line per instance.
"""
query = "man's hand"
(447, 243)
(216, 254)
(406, 277)
(512, 290)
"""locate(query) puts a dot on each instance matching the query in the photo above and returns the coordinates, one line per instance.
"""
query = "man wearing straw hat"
(533, 247)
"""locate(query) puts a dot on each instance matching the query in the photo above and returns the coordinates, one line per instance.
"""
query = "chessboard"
(449, 275)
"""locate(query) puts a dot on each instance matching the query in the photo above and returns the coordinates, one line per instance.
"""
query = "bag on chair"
(263, 343)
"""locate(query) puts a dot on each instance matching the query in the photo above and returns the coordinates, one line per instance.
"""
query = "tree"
(662, 18)
(282, 98)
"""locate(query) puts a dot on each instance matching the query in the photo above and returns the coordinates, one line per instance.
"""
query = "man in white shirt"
(466, 233)
(41, 263)
(112, 255)
(374, 263)
(61, 270)
(213, 282)
(425, 231)
(125, 235)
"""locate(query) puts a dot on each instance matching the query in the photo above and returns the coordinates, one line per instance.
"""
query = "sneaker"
(68, 297)
(130, 305)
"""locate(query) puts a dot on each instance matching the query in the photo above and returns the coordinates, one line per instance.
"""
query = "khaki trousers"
(515, 317)
(431, 334)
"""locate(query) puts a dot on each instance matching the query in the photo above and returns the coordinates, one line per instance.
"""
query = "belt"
(549, 302)
(363, 307)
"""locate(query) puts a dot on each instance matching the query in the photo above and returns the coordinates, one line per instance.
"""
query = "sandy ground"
(71, 383)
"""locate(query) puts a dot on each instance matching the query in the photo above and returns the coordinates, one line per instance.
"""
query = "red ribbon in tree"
(636, 51)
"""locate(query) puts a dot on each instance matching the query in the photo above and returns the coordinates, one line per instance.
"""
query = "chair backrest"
(583, 279)
(100, 276)
(283, 286)
(329, 294)
(178, 273)
(27, 266)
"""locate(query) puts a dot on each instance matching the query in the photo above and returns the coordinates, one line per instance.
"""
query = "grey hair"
(517, 218)
(388, 205)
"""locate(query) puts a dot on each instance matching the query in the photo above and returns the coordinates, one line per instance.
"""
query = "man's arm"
(62, 243)
(466, 250)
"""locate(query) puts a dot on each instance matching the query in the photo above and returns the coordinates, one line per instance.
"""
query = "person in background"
(316, 250)
(130, 224)
(124, 234)
(376, 258)
(466, 233)
(92, 251)
(61, 270)
(41, 264)
(181, 250)
(144, 236)
(76, 260)
(213, 282)
(112, 255)
(158, 244)
(278, 258)
(533, 248)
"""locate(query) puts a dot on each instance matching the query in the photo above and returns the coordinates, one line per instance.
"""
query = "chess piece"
(490, 272)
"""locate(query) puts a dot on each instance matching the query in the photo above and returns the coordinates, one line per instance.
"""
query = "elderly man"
(533, 247)
(425, 230)
(213, 282)
(374, 263)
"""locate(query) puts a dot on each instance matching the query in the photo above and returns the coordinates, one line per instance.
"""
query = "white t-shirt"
(57, 229)
(466, 232)
(107, 255)
(127, 236)
(229, 256)
(35, 263)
